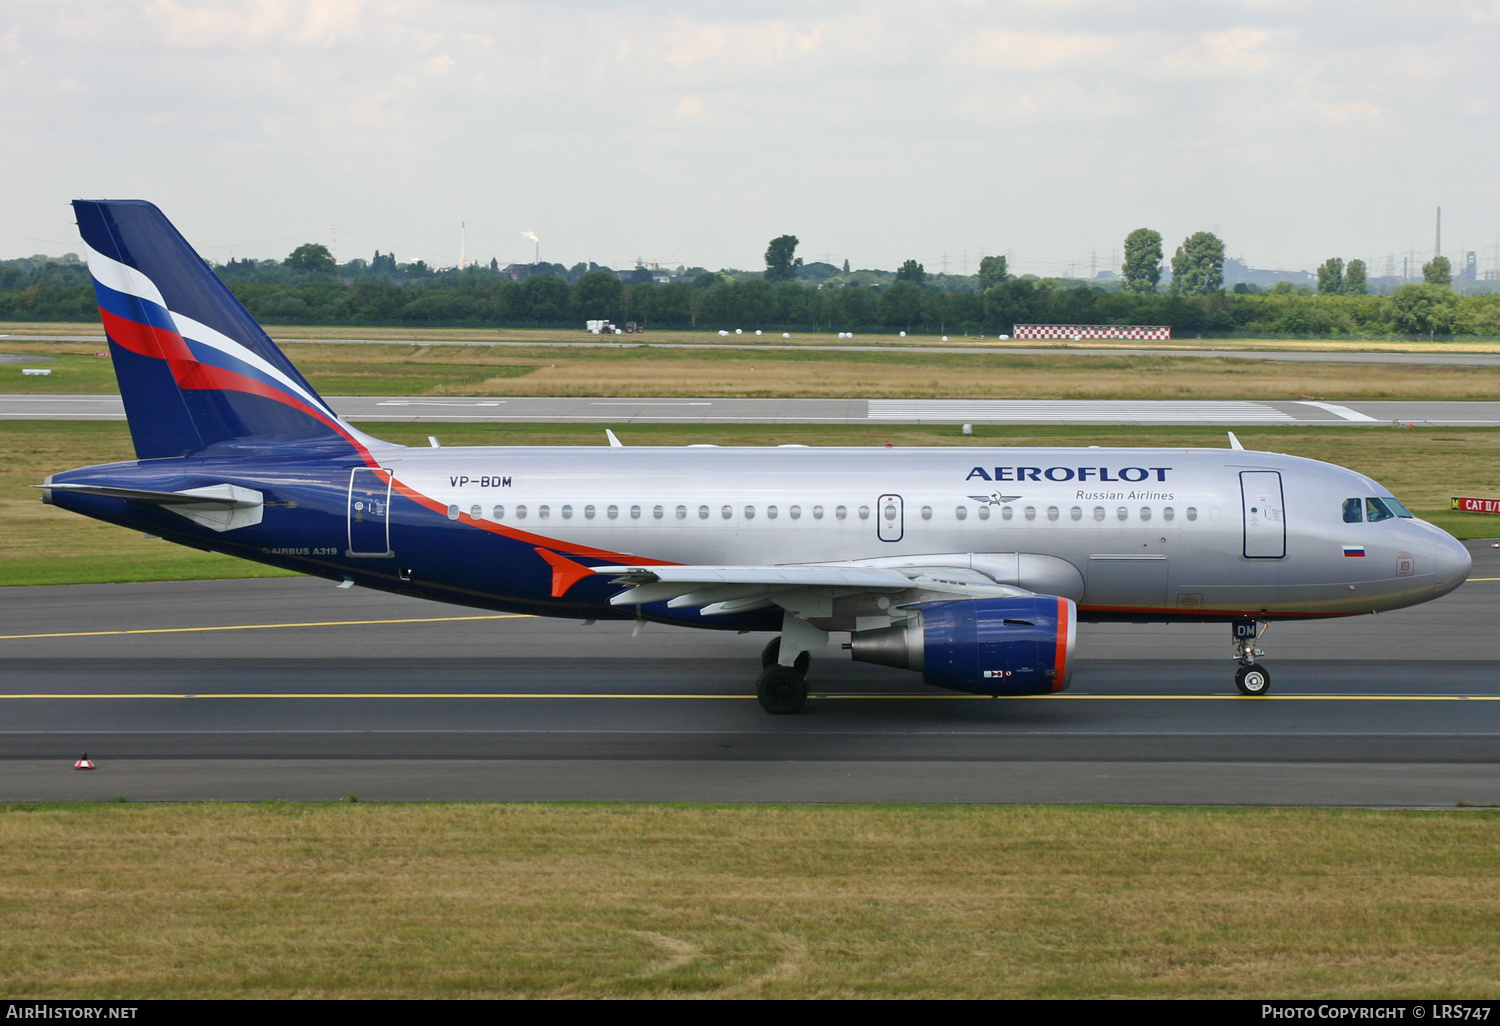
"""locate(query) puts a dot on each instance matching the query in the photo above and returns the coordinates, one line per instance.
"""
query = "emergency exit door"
(889, 520)
(1265, 514)
(369, 512)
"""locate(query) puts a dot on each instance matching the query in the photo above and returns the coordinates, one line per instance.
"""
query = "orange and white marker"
(84, 763)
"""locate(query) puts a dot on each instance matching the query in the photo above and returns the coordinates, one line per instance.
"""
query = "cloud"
(240, 22)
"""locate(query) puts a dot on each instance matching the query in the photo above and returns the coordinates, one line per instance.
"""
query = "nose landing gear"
(1251, 677)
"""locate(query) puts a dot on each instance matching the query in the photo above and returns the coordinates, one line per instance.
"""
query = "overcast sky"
(873, 131)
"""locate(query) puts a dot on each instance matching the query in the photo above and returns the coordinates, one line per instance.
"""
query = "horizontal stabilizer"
(220, 507)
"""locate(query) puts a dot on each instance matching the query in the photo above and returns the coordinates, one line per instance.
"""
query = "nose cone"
(1453, 564)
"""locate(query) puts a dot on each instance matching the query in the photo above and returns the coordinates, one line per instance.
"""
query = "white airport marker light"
(723, 333)
(757, 332)
(786, 334)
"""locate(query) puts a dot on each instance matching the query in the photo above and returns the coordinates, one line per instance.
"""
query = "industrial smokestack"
(1437, 242)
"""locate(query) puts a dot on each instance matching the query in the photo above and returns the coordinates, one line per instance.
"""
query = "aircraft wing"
(806, 589)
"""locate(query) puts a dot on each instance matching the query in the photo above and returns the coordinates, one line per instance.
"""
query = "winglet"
(1234, 443)
(614, 443)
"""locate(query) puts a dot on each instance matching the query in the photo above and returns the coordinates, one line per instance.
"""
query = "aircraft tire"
(1253, 680)
(782, 690)
(771, 655)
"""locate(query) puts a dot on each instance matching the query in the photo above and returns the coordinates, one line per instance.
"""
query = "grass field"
(356, 900)
(435, 369)
(46, 545)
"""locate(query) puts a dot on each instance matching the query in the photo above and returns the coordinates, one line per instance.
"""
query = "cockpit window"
(1396, 507)
(1353, 511)
(1376, 510)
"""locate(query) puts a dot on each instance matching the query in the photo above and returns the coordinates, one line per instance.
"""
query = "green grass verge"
(636, 370)
(45, 545)
(435, 901)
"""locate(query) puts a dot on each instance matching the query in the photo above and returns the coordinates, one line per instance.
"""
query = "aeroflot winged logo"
(1130, 475)
(995, 498)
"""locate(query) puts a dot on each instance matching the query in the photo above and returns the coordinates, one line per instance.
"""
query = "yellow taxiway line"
(266, 626)
(593, 695)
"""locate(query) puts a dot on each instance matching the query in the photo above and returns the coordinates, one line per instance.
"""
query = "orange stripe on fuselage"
(537, 541)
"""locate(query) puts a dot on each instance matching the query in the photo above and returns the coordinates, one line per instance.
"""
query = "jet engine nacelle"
(1001, 646)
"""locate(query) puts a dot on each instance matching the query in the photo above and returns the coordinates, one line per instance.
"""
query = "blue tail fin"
(194, 367)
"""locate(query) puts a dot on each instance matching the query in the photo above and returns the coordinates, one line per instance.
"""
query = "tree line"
(307, 288)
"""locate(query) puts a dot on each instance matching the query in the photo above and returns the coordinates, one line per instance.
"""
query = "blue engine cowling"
(1003, 646)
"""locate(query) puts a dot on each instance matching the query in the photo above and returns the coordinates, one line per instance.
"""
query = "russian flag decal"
(1354, 550)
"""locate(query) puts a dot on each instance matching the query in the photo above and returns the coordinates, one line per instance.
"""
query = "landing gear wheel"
(781, 689)
(1253, 679)
(771, 654)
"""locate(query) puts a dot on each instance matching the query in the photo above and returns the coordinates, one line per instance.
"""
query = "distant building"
(1238, 272)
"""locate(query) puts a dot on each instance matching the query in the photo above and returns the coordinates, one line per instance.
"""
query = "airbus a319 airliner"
(971, 566)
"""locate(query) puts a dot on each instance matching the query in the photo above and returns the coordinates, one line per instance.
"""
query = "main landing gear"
(1251, 677)
(781, 689)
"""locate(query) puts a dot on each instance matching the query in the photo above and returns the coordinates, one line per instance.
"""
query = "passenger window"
(1145, 512)
(926, 512)
(1168, 513)
(1006, 513)
(702, 512)
(984, 512)
(520, 512)
(635, 512)
(1192, 512)
(841, 512)
(1122, 513)
(1376, 511)
(961, 512)
(864, 512)
(567, 512)
(681, 512)
(1099, 513)
(499, 512)
(770, 512)
(1353, 513)
(657, 512)
(1030, 512)
(612, 512)
(1076, 513)
(1052, 512)
(452, 512)
(476, 511)
(817, 512)
(749, 512)
(544, 512)
(796, 512)
(588, 512)
(727, 512)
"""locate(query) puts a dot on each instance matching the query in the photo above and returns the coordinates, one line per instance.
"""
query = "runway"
(607, 411)
(291, 688)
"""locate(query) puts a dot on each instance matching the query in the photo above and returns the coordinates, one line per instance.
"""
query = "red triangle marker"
(84, 763)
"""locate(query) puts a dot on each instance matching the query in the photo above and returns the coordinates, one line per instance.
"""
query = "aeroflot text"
(1130, 474)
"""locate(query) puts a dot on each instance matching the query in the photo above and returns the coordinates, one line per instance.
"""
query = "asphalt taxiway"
(291, 688)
